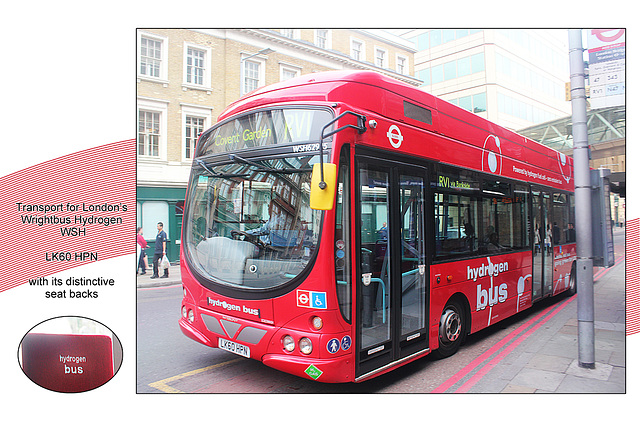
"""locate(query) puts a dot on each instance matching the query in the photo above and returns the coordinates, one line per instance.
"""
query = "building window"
(287, 73)
(450, 70)
(195, 66)
(436, 74)
(195, 120)
(148, 133)
(251, 76)
(480, 102)
(436, 38)
(322, 39)
(287, 33)
(381, 59)
(151, 213)
(357, 51)
(401, 64)
(464, 66)
(424, 75)
(475, 103)
(150, 57)
(194, 126)
(477, 62)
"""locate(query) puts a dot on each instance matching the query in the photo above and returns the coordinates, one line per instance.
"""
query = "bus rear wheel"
(451, 329)
(572, 282)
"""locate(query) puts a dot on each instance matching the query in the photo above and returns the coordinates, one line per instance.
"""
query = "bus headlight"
(305, 345)
(184, 311)
(191, 316)
(288, 343)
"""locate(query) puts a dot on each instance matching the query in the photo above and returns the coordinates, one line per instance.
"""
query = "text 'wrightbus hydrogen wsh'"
(339, 225)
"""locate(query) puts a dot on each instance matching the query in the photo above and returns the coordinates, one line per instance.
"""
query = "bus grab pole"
(584, 265)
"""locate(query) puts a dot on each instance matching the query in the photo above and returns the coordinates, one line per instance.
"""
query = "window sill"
(186, 86)
(163, 82)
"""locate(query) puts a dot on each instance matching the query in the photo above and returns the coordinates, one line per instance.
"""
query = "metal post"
(584, 267)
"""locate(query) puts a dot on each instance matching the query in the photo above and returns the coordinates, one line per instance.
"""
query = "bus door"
(393, 287)
(542, 244)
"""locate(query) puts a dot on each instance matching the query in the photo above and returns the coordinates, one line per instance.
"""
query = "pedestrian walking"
(143, 263)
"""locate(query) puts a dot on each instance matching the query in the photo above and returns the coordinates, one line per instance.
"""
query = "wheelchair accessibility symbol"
(311, 299)
(345, 344)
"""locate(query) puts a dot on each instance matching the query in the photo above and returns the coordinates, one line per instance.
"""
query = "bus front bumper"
(333, 370)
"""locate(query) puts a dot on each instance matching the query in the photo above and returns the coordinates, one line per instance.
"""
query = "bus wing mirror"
(323, 186)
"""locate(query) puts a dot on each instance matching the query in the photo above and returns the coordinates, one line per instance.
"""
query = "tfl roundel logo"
(565, 167)
(395, 136)
(492, 155)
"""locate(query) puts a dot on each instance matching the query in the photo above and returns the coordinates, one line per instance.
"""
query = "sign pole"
(584, 267)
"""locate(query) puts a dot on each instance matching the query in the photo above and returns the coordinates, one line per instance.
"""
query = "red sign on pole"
(67, 363)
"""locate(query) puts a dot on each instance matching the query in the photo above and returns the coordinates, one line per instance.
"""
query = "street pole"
(584, 266)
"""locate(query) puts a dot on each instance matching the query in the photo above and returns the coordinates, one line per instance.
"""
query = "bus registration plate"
(233, 347)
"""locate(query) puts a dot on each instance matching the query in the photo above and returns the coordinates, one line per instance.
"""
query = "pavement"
(145, 281)
(541, 355)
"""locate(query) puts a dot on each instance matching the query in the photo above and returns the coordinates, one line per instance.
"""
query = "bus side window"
(456, 219)
(571, 236)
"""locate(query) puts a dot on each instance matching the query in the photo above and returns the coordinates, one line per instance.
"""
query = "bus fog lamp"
(317, 323)
(288, 343)
(305, 345)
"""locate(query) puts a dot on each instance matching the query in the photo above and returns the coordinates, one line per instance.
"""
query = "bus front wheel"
(451, 330)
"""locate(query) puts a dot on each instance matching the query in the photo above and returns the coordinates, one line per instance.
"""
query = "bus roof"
(302, 88)
(383, 95)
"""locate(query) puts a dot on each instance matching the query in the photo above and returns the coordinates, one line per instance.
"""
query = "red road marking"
(493, 362)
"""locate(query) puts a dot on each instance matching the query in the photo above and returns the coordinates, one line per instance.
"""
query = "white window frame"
(154, 106)
(290, 68)
(405, 60)
(192, 111)
(385, 62)
(262, 63)
(363, 49)
(290, 33)
(164, 58)
(316, 34)
(206, 77)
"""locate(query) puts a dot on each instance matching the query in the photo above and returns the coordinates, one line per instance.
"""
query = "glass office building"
(513, 77)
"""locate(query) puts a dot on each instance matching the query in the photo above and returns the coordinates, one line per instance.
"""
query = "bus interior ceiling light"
(360, 127)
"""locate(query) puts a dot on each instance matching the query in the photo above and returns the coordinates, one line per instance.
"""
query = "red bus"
(341, 224)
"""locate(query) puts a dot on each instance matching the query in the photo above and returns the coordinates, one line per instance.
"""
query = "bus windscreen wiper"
(220, 175)
(262, 168)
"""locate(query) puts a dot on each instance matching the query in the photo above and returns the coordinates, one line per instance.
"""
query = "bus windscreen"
(249, 224)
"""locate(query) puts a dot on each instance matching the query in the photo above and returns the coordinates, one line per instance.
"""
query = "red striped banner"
(633, 276)
(91, 192)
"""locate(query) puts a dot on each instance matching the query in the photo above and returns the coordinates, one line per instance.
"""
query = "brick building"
(185, 78)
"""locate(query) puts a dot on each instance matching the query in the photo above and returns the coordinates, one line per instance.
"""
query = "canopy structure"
(606, 129)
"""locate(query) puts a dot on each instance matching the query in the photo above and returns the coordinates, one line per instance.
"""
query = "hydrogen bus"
(342, 224)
